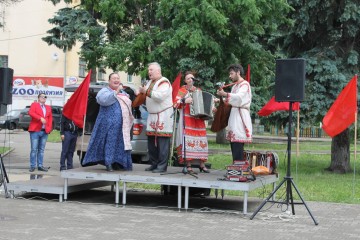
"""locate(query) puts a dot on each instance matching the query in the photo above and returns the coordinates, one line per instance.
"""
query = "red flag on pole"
(176, 86)
(247, 76)
(342, 113)
(75, 108)
(273, 106)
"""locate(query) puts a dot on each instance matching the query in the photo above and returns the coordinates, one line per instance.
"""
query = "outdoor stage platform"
(96, 176)
(54, 185)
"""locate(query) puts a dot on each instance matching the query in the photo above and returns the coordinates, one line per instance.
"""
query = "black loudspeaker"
(290, 80)
(6, 82)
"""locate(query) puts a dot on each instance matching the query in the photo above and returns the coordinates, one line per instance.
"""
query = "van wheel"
(12, 126)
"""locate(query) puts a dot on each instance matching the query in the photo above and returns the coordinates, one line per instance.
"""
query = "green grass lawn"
(4, 149)
(54, 136)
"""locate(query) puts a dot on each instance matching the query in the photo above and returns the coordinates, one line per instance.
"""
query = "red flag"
(342, 113)
(273, 106)
(247, 76)
(75, 108)
(176, 86)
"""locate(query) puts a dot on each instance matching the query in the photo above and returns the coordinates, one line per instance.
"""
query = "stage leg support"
(186, 200)
(124, 194)
(179, 197)
(117, 193)
(246, 194)
(66, 189)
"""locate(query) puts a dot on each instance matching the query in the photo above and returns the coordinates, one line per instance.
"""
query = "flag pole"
(297, 134)
(173, 137)
(355, 140)
(82, 140)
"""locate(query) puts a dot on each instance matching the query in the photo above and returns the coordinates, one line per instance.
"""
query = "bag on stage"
(260, 170)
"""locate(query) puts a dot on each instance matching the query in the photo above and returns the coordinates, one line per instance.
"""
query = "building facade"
(38, 66)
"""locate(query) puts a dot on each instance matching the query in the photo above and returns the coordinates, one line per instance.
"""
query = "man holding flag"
(68, 135)
(72, 119)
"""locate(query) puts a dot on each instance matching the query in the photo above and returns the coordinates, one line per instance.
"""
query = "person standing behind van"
(68, 134)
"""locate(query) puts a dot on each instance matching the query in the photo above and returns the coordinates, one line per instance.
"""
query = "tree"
(202, 35)
(327, 35)
(78, 24)
(9, 2)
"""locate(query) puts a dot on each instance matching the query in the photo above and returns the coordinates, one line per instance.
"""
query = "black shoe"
(156, 170)
(42, 169)
(188, 170)
(31, 169)
(109, 168)
(150, 168)
(204, 169)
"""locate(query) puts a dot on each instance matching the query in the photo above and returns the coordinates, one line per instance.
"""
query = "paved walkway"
(79, 219)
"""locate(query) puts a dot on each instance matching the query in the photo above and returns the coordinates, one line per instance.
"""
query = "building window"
(101, 74)
(4, 61)
(129, 78)
(82, 68)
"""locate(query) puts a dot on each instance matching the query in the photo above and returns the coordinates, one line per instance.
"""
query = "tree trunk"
(93, 75)
(340, 153)
(221, 137)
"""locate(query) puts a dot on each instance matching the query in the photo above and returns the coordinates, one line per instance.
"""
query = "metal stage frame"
(139, 175)
(53, 185)
(85, 178)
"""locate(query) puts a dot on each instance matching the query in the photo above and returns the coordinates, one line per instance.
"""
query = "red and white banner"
(30, 87)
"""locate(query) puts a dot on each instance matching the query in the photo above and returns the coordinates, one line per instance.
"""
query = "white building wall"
(20, 39)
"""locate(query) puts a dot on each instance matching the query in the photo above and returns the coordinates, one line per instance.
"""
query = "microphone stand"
(184, 170)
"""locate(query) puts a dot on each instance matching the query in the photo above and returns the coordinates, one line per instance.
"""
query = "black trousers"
(159, 153)
(237, 150)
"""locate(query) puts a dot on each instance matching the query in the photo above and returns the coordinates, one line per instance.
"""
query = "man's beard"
(236, 78)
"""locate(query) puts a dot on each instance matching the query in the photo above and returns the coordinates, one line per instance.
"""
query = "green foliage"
(327, 35)
(72, 25)
(201, 35)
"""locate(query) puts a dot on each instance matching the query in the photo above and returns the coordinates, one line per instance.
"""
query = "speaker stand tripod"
(3, 177)
(288, 180)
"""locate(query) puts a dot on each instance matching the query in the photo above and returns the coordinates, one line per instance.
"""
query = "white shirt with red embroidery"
(239, 127)
(160, 107)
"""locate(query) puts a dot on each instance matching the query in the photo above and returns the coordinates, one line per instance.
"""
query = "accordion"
(268, 159)
(240, 170)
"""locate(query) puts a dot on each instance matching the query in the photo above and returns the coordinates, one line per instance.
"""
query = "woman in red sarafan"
(195, 149)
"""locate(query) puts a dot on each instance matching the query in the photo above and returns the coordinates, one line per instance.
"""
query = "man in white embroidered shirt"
(159, 122)
(239, 130)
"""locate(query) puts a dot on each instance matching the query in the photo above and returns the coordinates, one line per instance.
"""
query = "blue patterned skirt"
(106, 144)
